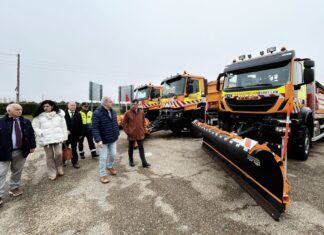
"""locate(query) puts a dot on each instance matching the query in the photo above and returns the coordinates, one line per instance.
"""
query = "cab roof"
(146, 86)
(185, 75)
(261, 60)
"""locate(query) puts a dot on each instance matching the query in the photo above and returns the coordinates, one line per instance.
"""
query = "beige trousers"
(54, 159)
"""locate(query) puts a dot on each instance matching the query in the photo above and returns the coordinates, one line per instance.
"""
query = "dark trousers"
(73, 141)
(88, 134)
(140, 149)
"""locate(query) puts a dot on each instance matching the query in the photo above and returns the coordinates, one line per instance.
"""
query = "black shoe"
(76, 165)
(82, 156)
(132, 164)
(94, 155)
(146, 165)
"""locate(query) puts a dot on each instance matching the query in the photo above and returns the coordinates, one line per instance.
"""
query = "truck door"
(300, 94)
(193, 90)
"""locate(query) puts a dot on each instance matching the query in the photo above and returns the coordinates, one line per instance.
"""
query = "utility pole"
(18, 78)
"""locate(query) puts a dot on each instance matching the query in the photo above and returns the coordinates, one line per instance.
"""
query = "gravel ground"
(184, 192)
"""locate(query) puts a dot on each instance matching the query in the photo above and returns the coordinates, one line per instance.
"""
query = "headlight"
(281, 129)
(178, 115)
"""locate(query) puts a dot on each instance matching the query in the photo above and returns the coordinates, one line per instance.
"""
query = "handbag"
(67, 152)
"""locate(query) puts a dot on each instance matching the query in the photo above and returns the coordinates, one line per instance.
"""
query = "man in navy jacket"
(17, 140)
(105, 132)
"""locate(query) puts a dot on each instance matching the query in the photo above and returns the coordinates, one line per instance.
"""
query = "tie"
(72, 114)
(18, 134)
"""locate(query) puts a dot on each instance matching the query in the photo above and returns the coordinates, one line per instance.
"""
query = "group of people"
(53, 129)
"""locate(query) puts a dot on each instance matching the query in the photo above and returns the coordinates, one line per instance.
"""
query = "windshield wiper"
(263, 84)
(232, 88)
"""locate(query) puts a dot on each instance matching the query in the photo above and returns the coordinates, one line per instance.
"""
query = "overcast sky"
(64, 44)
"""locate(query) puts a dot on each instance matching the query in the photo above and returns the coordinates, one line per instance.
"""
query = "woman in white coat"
(50, 129)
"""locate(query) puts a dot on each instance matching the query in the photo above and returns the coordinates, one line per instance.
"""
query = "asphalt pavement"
(184, 192)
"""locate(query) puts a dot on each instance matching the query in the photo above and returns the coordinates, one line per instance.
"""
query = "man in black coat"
(74, 126)
(17, 140)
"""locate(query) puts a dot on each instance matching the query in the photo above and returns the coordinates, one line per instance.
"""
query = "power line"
(8, 54)
(73, 68)
(31, 63)
(7, 63)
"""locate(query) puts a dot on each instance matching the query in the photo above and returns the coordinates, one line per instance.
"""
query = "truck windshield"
(174, 87)
(267, 77)
(155, 93)
(142, 94)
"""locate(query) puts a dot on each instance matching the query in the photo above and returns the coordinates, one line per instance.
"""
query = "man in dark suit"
(17, 140)
(74, 126)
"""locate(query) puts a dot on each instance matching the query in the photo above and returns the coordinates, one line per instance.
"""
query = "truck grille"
(264, 104)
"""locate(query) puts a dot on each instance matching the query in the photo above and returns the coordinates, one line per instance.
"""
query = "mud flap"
(255, 167)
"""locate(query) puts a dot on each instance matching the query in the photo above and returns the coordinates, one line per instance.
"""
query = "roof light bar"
(271, 50)
(283, 49)
(241, 57)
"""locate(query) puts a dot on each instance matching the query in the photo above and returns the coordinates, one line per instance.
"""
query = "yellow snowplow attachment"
(255, 167)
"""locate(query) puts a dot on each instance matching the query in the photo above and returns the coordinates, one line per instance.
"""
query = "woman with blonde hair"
(51, 131)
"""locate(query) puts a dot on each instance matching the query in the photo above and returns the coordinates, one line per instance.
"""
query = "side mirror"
(309, 63)
(297, 87)
(309, 75)
(218, 81)
(205, 88)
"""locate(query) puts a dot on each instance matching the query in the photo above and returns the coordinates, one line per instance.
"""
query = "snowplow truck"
(183, 100)
(259, 92)
(265, 102)
(148, 98)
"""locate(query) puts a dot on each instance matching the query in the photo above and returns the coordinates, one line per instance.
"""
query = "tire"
(176, 130)
(303, 145)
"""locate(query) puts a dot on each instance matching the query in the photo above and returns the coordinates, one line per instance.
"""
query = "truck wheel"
(175, 130)
(303, 144)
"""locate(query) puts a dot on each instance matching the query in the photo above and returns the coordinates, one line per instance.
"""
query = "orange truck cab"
(260, 95)
(148, 97)
(183, 100)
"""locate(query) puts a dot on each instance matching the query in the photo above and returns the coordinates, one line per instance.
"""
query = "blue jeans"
(106, 161)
